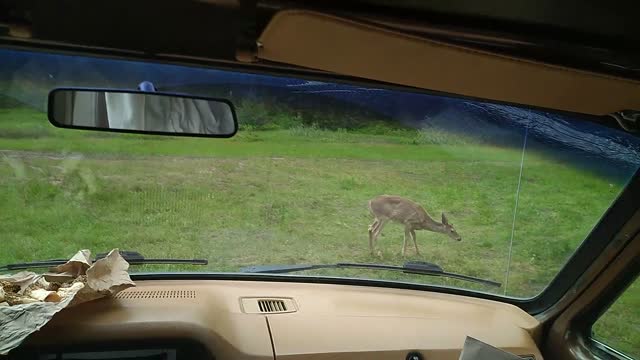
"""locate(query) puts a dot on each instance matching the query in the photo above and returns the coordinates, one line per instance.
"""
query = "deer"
(414, 217)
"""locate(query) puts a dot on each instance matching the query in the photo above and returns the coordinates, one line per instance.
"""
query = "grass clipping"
(29, 300)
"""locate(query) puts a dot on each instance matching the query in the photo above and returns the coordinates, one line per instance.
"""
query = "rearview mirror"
(141, 112)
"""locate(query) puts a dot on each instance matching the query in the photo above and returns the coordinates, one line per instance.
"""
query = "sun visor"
(324, 42)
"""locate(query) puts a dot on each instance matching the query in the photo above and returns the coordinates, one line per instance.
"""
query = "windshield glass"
(508, 194)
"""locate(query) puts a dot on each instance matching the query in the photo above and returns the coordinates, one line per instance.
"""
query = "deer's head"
(449, 230)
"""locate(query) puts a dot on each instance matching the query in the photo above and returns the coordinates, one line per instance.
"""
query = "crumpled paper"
(29, 300)
(475, 349)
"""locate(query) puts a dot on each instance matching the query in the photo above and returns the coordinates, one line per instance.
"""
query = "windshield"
(491, 191)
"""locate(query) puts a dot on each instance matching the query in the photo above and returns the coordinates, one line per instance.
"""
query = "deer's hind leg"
(372, 228)
(375, 231)
(413, 236)
(407, 234)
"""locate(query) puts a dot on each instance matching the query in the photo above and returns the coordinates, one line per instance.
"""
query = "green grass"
(619, 327)
(296, 195)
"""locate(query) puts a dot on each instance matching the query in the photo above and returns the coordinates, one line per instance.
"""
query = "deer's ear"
(444, 219)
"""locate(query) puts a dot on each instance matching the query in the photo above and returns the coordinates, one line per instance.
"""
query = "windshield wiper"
(410, 267)
(132, 257)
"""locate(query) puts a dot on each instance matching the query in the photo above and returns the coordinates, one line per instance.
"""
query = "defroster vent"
(156, 294)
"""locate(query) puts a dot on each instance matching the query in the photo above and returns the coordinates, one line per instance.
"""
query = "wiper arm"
(410, 267)
(132, 257)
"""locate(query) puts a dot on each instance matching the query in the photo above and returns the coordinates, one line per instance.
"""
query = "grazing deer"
(406, 212)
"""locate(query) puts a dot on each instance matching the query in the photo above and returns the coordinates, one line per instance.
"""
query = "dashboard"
(223, 319)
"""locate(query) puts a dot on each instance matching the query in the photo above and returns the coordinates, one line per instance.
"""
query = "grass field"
(295, 195)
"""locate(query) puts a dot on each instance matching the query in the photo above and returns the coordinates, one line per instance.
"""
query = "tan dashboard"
(263, 320)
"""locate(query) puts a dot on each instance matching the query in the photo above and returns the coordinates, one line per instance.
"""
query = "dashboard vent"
(156, 294)
(268, 305)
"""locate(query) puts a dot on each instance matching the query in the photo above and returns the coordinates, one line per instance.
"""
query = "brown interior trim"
(331, 321)
(338, 45)
(568, 335)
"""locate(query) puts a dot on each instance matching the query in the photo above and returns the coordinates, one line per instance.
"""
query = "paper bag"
(475, 349)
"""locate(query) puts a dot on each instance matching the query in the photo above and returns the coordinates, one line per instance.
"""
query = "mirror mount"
(146, 86)
(143, 111)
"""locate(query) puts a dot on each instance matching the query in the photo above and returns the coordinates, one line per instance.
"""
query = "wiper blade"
(132, 257)
(410, 267)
